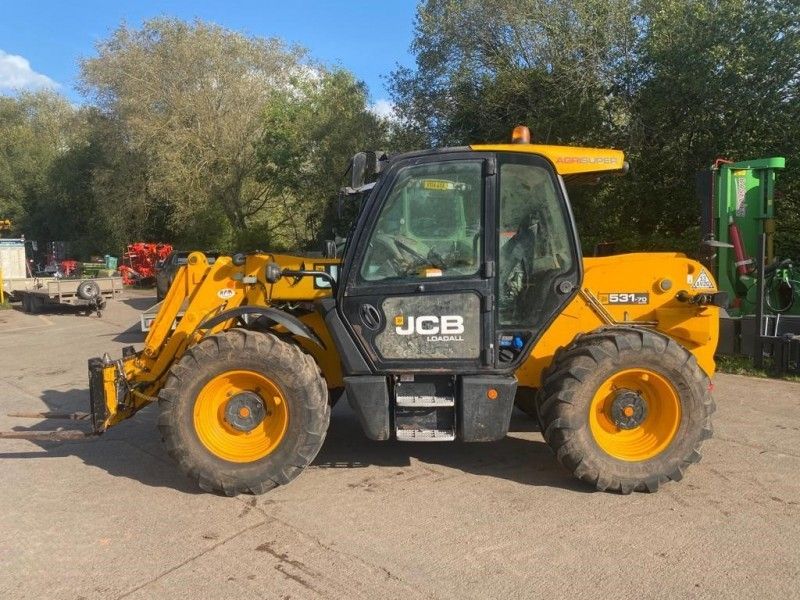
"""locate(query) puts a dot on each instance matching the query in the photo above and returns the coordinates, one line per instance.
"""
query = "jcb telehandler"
(460, 289)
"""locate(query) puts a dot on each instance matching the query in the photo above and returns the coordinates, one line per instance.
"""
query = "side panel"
(446, 326)
(628, 289)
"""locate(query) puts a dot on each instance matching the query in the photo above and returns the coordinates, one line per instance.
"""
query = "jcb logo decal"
(446, 328)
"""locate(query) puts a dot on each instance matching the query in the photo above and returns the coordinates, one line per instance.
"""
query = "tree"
(188, 101)
(675, 83)
(35, 129)
(722, 80)
(309, 137)
(484, 66)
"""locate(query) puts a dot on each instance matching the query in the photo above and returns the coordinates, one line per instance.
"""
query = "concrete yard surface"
(114, 518)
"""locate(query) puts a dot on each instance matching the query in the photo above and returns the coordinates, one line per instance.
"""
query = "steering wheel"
(403, 247)
(400, 257)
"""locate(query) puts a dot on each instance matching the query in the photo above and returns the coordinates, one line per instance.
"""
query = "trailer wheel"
(626, 409)
(243, 412)
(87, 290)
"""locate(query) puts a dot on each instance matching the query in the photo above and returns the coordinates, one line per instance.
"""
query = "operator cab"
(486, 238)
(458, 262)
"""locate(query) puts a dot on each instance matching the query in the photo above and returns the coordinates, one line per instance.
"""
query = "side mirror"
(330, 249)
(358, 170)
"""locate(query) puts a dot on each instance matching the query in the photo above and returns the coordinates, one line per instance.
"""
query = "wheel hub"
(628, 409)
(245, 411)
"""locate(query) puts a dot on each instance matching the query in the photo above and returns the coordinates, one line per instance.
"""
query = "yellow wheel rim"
(635, 414)
(249, 395)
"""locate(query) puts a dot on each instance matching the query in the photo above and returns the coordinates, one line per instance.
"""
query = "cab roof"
(567, 160)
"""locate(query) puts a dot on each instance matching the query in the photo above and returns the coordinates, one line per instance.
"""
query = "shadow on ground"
(133, 449)
(131, 335)
(60, 309)
(140, 299)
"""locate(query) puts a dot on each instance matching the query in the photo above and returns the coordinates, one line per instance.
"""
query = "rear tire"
(590, 383)
(195, 428)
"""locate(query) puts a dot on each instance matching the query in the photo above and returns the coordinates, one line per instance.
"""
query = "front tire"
(626, 409)
(243, 412)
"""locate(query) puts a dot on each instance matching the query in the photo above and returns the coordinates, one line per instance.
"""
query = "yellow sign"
(437, 184)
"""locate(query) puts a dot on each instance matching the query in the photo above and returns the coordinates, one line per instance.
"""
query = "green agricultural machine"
(738, 222)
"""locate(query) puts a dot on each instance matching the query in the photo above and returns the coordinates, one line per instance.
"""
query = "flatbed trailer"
(15, 287)
(92, 293)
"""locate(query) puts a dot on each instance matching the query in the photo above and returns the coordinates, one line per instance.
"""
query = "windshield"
(429, 225)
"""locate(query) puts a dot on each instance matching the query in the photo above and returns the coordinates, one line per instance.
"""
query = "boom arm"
(206, 294)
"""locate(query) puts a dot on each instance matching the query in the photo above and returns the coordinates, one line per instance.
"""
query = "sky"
(42, 41)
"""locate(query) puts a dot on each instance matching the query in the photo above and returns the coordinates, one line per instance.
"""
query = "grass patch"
(6, 305)
(743, 365)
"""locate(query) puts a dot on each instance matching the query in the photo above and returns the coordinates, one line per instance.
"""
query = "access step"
(425, 408)
(426, 435)
(425, 401)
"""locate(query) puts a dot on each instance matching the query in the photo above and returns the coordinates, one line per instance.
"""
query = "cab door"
(419, 279)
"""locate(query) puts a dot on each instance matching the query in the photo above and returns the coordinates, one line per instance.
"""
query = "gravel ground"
(113, 518)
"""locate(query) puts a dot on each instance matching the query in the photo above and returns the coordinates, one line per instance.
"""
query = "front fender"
(271, 317)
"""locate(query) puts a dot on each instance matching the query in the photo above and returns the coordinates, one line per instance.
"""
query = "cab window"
(429, 225)
(534, 243)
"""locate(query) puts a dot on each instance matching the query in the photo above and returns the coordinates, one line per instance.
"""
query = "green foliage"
(193, 134)
(188, 100)
(309, 137)
(743, 365)
(675, 83)
(722, 81)
(34, 130)
(205, 137)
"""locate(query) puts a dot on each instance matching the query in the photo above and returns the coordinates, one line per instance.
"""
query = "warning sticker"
(437, 184)
(703, 281)
(741, 195)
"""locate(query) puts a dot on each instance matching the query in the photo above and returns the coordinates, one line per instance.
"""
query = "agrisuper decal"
(586, 160)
